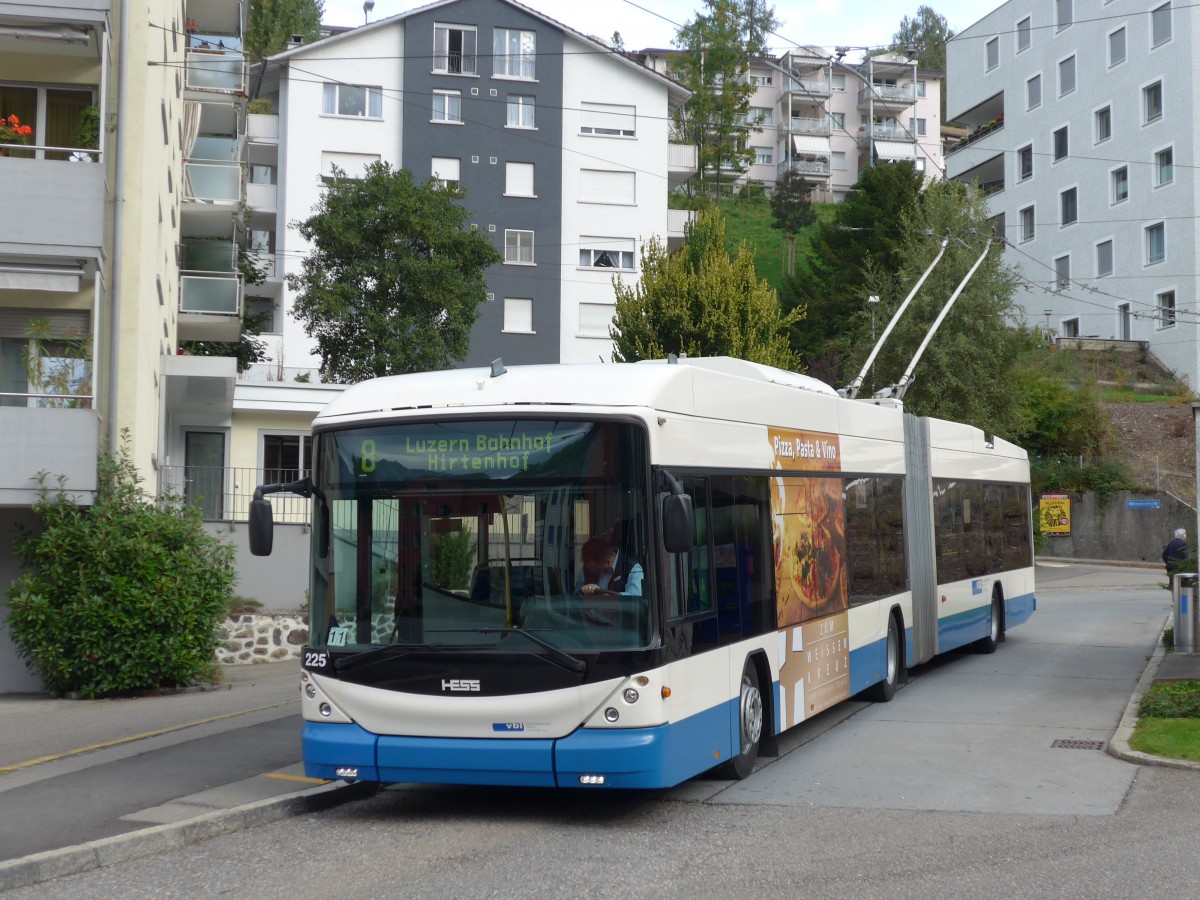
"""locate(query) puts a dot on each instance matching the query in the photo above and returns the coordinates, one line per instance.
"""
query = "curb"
(39, 867)
(1118, 746)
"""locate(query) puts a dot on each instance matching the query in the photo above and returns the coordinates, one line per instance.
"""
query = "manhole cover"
(1073, 744)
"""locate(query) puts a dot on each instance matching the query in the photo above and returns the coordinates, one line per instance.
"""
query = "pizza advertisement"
(808, 523)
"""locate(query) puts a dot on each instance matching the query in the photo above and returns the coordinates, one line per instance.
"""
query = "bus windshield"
(521, 535)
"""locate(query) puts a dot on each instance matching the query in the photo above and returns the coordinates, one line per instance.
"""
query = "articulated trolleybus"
(625, 575)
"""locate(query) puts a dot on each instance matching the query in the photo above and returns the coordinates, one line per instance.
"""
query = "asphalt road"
(961, 786)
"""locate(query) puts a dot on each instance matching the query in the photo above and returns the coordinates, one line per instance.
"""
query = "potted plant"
(13, 132)
(86, 135)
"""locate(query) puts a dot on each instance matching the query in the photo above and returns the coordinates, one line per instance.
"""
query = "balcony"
(811, 167)
(887, 97)
(978, 134)
(57, 441)
(210, 291)
(262, 197)
(881, 132)
(811, 88)
(215, 71)
(682, 163)
(61, 204)
(677, 222)
(806, 125)
(262, 129)
(223, 493)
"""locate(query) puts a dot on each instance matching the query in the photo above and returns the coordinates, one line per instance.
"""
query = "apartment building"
(1082, 118)
(828, 120)
(122, 188)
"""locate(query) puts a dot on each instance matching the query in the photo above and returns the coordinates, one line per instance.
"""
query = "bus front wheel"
(750, 725)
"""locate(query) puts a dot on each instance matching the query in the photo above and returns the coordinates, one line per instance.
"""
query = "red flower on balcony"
(13, 132)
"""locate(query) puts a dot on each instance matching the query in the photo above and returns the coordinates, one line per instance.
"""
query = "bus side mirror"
(677, 522)
(262, 527)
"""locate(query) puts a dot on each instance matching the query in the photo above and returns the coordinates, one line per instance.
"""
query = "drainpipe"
(118, 229)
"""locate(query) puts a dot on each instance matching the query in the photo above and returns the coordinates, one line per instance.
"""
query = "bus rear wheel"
(750, 725)
(995, 627)
(883, 691)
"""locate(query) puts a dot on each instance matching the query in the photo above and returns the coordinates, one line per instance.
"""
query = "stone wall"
(1124, 529)
(261, 638)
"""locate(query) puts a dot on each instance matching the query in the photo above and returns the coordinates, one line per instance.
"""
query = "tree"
(927, 33)
(394, 278)
(123, 595)
(271, 24)
(969, 370)
(700, 302)
(791, 204)
(865, 234)
(717, 46)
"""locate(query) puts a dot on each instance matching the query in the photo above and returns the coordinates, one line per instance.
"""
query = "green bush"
(1172, 700)
(121, 596)
(453, 558)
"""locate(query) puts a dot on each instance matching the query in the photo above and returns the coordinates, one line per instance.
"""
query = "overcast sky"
(653, 23)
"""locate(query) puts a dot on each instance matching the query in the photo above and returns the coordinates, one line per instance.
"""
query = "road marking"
(301, 778)
(29, 763)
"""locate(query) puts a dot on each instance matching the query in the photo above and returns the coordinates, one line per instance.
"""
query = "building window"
(1152, 102)
(763, 157)
(1068, 205)
(1066, 76)
(1104, 258)
(1062, 272)
(1164, 166)
(1120, 184)
(1064, 13)
(1160, 25)
(1033, 92)
(605, 186)
(595, 319)
(1124, 322)
(352, 100)
(838, 162)
(917, 127)
(264, 309)
(286, 457)
(1116, 47)
(445, 171)
(518, 315)
(838, 83)
(760, 79)
(608, 120)
(1062, 144)
(1156, 243)
(514, 53)
(1166, 309)
(520, 111)
(1027, 226)
(1024, 34)
(921, 87)
(762, 115)
(606, 253)
(1025, 163)
(1070, 328)
(839, 120)
(518, 247)
(348, 165)
(518, 179)
(993, 53)
(454, 50)
(447, 106)
(1103, 124)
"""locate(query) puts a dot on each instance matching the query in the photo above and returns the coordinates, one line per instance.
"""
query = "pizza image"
(808, 530)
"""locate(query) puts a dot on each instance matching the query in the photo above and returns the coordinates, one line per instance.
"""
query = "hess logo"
(460, 684)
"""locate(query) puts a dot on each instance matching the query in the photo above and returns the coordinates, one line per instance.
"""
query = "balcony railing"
(260, 127)
(682, 156)
(223, 494)
(210, 293)
(889, 94)
(806, 125)
(216, 70)
(809, 87)
(817, 167)
(212, 180)
(262, 196)
(978, 134)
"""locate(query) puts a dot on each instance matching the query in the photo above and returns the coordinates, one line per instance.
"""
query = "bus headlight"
(611, 715)
(631, 695)
(310, 691)
(326, 710)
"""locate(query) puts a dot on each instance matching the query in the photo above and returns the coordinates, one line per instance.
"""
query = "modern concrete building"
(118, 240)
(828, 120)
(1083, 127)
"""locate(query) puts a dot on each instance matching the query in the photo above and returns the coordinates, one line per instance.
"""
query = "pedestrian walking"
(1175, 554)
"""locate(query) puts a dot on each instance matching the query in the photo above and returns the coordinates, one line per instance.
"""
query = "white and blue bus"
(771, 549)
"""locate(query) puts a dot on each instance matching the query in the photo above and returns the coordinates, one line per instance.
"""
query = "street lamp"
(368, 5)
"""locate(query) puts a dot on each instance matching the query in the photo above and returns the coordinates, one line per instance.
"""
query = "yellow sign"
(1054, 513)
(807, 451)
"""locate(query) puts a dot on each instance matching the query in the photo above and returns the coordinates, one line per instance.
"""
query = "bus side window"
(692, 582)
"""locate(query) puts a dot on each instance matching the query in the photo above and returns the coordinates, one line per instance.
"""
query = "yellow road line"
(16, 767)
(301, 778)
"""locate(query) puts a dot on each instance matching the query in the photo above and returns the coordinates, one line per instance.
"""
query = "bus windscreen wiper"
(378, 654)
(564, 659)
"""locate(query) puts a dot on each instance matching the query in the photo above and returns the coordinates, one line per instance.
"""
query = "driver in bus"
(607, 570)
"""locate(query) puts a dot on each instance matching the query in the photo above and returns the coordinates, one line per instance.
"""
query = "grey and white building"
(1083, 122)
(563, 146)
